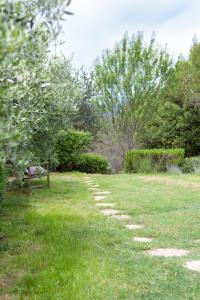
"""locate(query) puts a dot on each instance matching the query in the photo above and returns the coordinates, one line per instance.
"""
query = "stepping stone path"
(121, 217)
(142, 239)
(110, 212)
(99, 198)
(105, 204)
(115, 214)
(134, 226)
(193, 265)
(168, 252)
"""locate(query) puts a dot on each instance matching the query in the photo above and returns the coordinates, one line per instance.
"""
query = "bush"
(92, 163)
(191, 165)
(2, 184)
(152, 160)
(69, 147)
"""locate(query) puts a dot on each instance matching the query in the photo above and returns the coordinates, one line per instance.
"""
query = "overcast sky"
(98, 24)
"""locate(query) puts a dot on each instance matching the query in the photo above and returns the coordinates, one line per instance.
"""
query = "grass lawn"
(57, 245)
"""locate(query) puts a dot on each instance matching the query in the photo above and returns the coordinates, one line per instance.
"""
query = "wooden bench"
(35, 172)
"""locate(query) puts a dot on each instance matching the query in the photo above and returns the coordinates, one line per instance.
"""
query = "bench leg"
(29, 187)
(48, 181)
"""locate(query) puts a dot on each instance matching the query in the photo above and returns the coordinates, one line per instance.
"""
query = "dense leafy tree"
(128, 80)
(176, 122)
(27, 30)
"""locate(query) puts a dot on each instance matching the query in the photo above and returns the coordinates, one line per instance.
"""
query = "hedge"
(191, 165)
(92, 163)
(152, 160)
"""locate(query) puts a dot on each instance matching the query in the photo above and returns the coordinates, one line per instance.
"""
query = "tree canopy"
(128, 81)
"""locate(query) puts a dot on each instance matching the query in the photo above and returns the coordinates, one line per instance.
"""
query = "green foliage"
(152, 160)
(2, 183)
(191, 165)
(128, 80)
(92, 163)
(176, 120)
(70, 145)
(28, 99)
(84, 115)
(144, 165)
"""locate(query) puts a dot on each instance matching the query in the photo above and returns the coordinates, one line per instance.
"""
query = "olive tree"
(27, 29)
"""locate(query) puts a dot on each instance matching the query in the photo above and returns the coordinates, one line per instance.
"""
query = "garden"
(99, 169)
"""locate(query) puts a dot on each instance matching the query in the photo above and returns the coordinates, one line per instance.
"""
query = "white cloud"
(97, 25)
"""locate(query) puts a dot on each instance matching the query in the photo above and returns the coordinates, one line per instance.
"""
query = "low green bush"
(92, 163)
(152, 160)
(191, 165)
(69, 147)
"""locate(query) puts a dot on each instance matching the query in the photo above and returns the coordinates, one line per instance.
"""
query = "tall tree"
(176, 122)
(27, 30)
(128, 80)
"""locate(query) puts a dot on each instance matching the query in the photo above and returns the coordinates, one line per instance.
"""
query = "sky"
(98, 24)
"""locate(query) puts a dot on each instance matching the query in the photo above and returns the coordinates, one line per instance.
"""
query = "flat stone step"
(134, 226)
(168, 252)
(93, 189)
(142, 239)
(110, 212)
(102, 193)
(193, 265)
(99, 198)
(121, 217)
(105, 204)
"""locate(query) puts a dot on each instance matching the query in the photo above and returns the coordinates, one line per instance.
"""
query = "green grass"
(56, 244)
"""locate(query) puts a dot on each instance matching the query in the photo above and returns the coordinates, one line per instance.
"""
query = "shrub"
(92, 163)
(69, 146)
(152, 160)
(191, 165)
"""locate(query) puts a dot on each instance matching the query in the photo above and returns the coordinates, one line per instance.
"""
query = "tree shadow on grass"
(46, 250)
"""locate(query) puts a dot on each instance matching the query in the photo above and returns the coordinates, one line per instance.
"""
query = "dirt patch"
(105, 204)
(193, 265)
(170, 181)
(142, 239)
(121, 217)
(9, 280)
(134, 226)
(110, 212)
(99, 198)
(170, 252)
